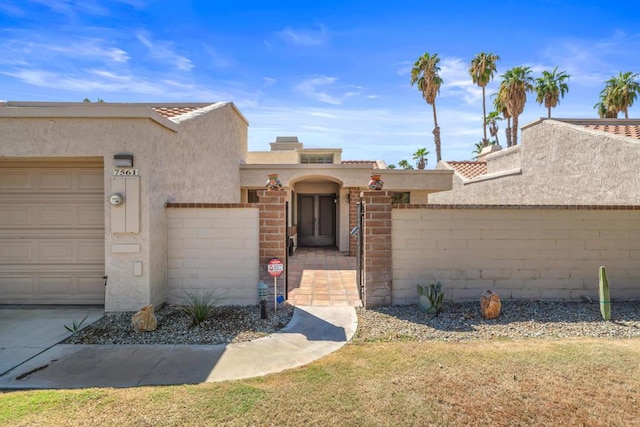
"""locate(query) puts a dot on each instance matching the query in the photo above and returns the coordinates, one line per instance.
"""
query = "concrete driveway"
(27, 331)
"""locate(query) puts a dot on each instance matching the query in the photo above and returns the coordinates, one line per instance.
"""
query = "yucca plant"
(75, 325)
(199, 306)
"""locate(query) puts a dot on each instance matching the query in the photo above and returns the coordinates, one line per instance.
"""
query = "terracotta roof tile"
(169, 112)
(632, 131)
(469, 169)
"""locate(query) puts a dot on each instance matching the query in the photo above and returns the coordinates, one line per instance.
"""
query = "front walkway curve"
(312, 333)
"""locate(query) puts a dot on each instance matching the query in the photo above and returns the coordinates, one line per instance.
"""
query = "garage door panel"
(90, 180)
(90, 251)
(51, 232)
(12, 286)
(54, 180)
(56, 251)
(55, 286)
(91, 286)
(14, 216)
(55, 215)
(16, 251)
(66, 212)
(90, 216)
(52, 251)
(17, 180)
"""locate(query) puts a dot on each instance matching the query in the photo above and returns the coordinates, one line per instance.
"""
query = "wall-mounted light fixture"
(123, 160)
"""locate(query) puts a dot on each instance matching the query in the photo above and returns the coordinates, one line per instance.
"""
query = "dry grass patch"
(529, 382)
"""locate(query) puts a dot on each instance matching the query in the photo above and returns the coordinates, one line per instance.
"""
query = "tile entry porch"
(323, 277)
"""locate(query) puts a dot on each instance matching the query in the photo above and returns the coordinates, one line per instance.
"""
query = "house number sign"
(125, 172)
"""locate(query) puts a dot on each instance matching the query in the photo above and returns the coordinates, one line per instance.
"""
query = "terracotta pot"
(273, 183)
(375, 183)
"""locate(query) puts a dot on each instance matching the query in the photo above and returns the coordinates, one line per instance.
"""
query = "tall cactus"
(431, 298)
(605, 302)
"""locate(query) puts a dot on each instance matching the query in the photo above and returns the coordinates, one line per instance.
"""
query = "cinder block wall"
(531, 252)
(214, 249)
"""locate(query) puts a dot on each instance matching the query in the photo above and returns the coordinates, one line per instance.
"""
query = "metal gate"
(360, 248)
(288, 245)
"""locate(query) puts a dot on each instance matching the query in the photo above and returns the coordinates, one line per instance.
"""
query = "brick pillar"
(273, 222)
(377, 248)
(354, 198)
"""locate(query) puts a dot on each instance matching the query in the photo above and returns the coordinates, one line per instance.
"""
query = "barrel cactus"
(430, 298)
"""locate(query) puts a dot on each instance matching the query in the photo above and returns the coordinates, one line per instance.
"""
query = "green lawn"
(527, 382)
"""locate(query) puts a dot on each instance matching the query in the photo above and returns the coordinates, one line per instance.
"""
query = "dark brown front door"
(317, 220)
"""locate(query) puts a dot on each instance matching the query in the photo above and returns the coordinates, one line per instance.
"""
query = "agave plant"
(431, 298)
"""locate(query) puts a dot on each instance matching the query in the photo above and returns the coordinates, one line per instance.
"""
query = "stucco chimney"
(286, 143)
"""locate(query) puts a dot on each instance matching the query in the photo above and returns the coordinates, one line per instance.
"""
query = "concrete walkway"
(312, 333)
(26, 332)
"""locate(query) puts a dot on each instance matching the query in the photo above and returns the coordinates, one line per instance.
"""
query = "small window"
(252, 196)
(316, 158)
(400, 198)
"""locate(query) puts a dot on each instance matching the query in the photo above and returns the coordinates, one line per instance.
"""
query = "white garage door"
(51, 232)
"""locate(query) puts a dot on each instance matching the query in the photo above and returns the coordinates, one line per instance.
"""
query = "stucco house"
(87, 192)
(560, 161)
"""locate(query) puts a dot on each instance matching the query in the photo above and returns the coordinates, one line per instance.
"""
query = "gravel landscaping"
(518, 319)
(228, 324)
(456, 322)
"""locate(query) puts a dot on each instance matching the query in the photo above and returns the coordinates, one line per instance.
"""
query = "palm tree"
(405, 164)
(425, 73)
(482, 69)
(420, 157)
(391, 166)
(499, 103)
(620, 92)
(550, 88)
(518, 82)
(479, 146)
(492, 120)
(603, 111)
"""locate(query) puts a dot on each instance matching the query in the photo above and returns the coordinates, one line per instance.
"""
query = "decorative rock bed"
(518, 319)
(229, 324)
(456, 322)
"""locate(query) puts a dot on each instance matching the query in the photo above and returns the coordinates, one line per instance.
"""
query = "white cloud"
(457, 81)
(592, 61)
(317, 36)
(218, 60)
(23, 49)
(164, 51)
(71, 8)
(318, 88)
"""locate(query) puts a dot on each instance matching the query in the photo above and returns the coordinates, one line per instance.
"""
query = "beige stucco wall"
(214, 250)
(254, 176)
(186, 166)
(505, 160)
(519, 253)
(273, 157)
(561, 164)
(101, 137)
(200, 164)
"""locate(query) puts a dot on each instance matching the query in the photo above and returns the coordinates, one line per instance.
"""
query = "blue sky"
(334, 73)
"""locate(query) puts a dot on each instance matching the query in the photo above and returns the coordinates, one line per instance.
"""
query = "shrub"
(199, 306)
